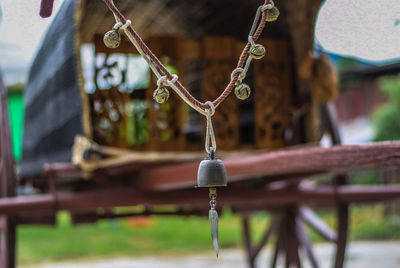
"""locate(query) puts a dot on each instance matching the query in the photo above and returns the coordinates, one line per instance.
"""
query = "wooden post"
(247, 240)
(331, 125)
(8, 180)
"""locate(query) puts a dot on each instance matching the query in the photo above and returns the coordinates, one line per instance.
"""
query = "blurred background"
(361, 37)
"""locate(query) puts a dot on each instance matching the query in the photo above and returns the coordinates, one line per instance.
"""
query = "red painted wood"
(46, 8)
(89, 201)
(8, 182)
(286, 162)
(317, 224)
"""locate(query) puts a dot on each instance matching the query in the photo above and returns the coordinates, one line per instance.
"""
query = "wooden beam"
(7, 241)
(247, 240)
(317, 224)
(286, 162)
(108, 198)
(7, 183)
(7, 172)
(343, 227)
(270, 229)
(305, 241)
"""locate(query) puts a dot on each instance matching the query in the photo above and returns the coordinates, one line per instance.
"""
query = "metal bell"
(112, 38)
(161, 95)
(272, 14)
(257, 51)
(242, 91)
(211, 172)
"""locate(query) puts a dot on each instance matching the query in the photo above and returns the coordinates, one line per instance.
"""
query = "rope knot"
(126, 25)
(163, 80)
(211, 111)
(241, 72)
(265, 7)
(120, 25)
(209, 129)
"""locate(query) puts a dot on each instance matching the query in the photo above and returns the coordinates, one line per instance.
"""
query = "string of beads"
(266, 12)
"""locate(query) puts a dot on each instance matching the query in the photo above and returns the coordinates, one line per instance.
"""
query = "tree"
(387, 117)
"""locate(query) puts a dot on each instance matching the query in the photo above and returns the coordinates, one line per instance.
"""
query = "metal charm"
(211, 172)
(257, 51)
(242, 91)
(213, 217)
(112, 38)
(272, 14)
(161, 95)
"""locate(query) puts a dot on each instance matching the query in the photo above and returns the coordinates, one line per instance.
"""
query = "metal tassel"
(213, 217)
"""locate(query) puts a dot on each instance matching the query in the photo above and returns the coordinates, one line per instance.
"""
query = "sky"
(21, 31)
(367, 29)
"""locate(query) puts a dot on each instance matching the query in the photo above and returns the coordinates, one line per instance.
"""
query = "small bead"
(242, 91)
(112, 39)
(272, 14)
(257, 51)
(161, 95)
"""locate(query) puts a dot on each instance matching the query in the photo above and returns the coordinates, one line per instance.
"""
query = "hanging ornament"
(272, 14)
(161, 95)
(242, 91)
(257, 51)
(212, 174)
(112, 38)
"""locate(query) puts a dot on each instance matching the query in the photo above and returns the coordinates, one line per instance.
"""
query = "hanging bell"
(211, 172)
(272, 14)
(161, 95)
(112, 38)
(257, 51)
(242, 91)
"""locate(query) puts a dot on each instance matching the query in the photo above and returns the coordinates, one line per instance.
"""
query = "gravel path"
(360, 255)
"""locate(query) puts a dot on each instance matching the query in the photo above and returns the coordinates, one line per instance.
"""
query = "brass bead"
(257, 51)
(272, 14)
(161, 95)
(242, 91)
(112, 39)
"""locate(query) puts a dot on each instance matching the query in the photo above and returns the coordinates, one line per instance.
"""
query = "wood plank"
(195, 198)
(305, 241)
(286, 162)
(343, 215)
(8, 183)
(7, 172)
(317, 224)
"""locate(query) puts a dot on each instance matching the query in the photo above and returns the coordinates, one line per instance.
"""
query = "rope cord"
(158, 68)
(209, 129)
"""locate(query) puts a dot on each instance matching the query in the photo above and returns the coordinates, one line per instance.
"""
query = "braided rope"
(155, 63)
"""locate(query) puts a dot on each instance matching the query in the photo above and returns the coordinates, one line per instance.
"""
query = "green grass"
(168, 235)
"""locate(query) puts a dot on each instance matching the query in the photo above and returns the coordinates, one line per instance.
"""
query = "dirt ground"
(359, 255)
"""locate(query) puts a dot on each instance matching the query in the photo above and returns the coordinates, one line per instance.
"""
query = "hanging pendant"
(213, 217)
(242, 91)
(257, 51)
(211, 174)
(272, 14)
(112, 38)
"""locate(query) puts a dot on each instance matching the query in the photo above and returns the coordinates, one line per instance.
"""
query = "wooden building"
(106, 94)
